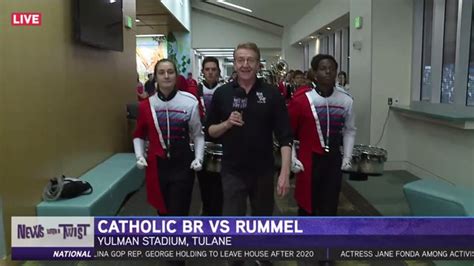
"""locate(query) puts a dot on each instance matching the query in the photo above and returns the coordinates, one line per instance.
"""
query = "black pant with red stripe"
(210, 185)
(326, 184)
(176, 184)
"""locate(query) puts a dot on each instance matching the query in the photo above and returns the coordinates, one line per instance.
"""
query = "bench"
(429, 197)
(112, 180)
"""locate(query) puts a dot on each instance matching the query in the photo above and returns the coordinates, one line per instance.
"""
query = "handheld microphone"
(240, 100)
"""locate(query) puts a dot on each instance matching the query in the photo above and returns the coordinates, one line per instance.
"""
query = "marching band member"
(286, 86)
(168, 120)
(210, 183)
(299, 80)
(321, 117)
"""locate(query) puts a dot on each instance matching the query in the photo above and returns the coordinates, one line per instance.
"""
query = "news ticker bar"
(98, 237)
(51, 253)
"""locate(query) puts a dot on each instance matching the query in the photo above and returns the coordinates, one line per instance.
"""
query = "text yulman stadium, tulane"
(164, 241)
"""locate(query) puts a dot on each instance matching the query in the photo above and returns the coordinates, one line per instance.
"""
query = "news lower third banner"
(263, 238)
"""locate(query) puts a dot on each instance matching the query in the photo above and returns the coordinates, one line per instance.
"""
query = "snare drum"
(371, 159)
(213, 157)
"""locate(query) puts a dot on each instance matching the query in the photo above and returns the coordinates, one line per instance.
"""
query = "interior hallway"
(377, 196)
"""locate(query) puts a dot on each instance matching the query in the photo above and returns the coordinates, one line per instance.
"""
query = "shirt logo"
(239, 103)
(261, 98)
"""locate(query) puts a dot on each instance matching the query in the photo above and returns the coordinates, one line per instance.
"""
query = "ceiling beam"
(153, 30)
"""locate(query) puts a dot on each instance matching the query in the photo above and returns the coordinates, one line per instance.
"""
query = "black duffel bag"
(66, 188)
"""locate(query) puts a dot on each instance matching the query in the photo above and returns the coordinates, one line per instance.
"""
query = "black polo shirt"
(250, 148)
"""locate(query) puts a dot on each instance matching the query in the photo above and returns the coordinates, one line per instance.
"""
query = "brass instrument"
(276, 72)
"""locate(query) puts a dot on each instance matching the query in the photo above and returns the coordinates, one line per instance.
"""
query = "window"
(307, 57)
(449, 51)
(337, 44)
(426, 57)
(325, 46)
(331, 46)
(470, 81)
(443, 60)
(337, 47)
(348, 52)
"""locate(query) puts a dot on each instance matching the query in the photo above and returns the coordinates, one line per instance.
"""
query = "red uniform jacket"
(191, 83)
(282, 89)
(146, 129)
(304, 129)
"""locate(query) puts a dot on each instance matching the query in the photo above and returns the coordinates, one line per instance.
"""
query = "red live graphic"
(26, 19)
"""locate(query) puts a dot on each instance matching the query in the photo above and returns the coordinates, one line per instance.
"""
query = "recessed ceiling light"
(312, 37)
(137, 20)
(234, 6)
(300, 43)
(328, 28)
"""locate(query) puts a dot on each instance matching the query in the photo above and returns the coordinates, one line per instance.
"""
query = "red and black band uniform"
(322, 125)
(210, 183)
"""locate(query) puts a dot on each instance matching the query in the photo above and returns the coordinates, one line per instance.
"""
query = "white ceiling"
(155, 18)
(281, 12)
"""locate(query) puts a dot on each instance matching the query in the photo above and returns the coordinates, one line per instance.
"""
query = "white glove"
(296, 165)
(199, 148)
(346, 163)
(196, 165)
(139, 147)
(141, 162)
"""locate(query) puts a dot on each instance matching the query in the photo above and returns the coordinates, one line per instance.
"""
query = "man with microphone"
(245, 114)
